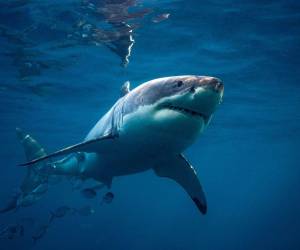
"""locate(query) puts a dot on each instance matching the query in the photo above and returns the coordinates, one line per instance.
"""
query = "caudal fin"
(12, 205)
(31, 147)
(32, 150)
(34, 178)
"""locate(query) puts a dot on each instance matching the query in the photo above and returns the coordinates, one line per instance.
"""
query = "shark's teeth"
(186, 111)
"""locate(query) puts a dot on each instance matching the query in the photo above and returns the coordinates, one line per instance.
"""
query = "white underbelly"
(163, 131)
(143, 139)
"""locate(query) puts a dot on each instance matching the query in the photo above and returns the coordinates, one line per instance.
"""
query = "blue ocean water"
(58, 78)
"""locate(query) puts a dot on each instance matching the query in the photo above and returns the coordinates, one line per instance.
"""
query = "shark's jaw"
(174, 122)
(187, 112)
(196, 106)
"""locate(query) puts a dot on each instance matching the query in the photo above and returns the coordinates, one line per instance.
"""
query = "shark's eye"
(179, 83)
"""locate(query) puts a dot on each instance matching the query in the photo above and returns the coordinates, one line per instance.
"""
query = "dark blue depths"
(61, 67)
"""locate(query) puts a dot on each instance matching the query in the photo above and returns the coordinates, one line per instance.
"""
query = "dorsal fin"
(125, 89)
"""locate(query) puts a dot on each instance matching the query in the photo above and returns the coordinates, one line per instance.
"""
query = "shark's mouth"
(187, 111)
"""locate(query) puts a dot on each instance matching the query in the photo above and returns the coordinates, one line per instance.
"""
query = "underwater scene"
(150, 124)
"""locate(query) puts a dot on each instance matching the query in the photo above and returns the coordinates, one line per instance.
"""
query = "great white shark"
(149, 127)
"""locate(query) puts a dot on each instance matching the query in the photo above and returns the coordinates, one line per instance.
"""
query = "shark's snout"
(212, 83)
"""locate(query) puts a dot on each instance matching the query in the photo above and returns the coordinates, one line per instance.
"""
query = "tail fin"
(34, 178)
(31, 147)
(32, 150)
(12, 205)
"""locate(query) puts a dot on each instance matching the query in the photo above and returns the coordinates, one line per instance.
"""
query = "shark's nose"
(213, 83)
(218, 85)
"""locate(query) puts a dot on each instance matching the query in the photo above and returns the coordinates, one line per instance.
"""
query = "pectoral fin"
(181, 171)
(87, 146)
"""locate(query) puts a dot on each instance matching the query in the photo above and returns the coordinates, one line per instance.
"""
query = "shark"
(149, 127)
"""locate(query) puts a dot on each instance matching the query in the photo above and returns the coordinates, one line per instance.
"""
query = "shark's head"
(192, 97)
(179, 106)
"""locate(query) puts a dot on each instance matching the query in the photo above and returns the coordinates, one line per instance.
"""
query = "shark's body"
(147, 128)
